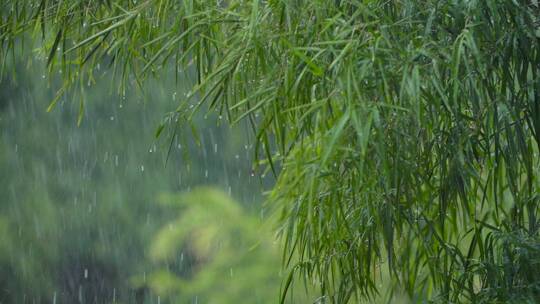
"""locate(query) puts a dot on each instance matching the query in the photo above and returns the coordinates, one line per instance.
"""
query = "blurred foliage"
(80, 216)
(214, 252)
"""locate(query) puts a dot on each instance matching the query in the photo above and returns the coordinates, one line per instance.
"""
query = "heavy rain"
(269, 151)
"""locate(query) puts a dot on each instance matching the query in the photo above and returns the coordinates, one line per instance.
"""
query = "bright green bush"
(213, 253)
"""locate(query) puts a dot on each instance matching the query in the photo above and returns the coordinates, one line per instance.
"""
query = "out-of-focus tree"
(214, 252)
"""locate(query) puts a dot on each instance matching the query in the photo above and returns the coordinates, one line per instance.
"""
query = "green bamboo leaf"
(54, 47)
(334, 136)
(159, 130)
(102, 32)
(81, 112)
(57, 97)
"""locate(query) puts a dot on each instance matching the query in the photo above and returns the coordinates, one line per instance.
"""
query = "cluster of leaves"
(404, 134)
(213, 252)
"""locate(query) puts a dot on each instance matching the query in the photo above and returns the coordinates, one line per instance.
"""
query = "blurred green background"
(104, 213)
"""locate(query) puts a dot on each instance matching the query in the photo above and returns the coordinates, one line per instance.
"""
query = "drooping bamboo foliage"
(404, 134)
